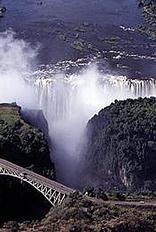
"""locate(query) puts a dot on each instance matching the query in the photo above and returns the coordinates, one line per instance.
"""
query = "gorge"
(77, 105)
(68, 99)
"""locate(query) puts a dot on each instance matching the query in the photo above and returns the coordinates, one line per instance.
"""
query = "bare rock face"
(121, 147)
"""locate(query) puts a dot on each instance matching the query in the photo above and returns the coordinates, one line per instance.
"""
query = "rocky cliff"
(23, 144)
(121, 148)
(26, 146)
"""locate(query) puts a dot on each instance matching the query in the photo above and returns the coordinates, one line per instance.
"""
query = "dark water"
(71, 29)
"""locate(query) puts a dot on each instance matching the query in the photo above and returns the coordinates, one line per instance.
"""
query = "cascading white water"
(68, 101)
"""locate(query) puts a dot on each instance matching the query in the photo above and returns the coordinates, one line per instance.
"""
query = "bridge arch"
(53, 191)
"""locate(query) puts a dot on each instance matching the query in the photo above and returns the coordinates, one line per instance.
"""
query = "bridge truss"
(54, 192)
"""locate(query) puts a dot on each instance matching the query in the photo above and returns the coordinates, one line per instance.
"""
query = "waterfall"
(68, 100)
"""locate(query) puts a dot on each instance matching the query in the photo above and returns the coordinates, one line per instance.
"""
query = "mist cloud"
(68, 102)
(16, 58)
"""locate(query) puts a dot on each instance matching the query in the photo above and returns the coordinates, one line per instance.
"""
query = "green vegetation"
(121, 149)
(80, 214)
(62, 36)
(149, 12)
(81, 45)
(26, 146)
(23, 144)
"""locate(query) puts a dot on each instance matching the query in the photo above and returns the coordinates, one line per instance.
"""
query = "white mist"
(16, 58)
(68, 102)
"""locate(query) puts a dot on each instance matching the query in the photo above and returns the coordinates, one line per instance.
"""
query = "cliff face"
(121, 149)
(36, 119)
(25, 146)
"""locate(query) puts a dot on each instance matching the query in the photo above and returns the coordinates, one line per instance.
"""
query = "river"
(77, 56)
(72, 29)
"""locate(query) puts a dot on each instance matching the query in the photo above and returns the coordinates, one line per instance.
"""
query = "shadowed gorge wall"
(121, 146)
(67, 99)
(27, 147)
(20, 201)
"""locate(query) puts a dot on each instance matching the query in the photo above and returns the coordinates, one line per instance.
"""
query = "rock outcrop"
(82, 215)
(149, 13)
(26, 146)
(23, 144)
(121, 149)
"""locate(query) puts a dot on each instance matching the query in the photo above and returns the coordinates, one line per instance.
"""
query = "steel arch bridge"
(53, 191)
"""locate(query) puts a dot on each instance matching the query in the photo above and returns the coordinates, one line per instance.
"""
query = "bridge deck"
(32, 175)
